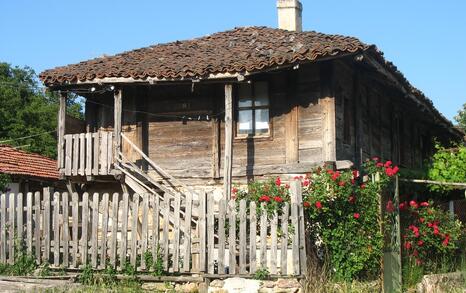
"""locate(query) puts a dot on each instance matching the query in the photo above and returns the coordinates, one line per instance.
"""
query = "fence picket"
(82, 154)
(155, 225)
(103, 252)
(56, 229)
(93, 159)
(252, 237)
(65, 209)
(295, 189)
(166, 220)
(187, 233)
(221, 236)
(176, 236)
(74, 228)
(263, 237)
(19, 216)
(37, 219)
(273, 249)
(85, 224)
(124, 229)
(134, 229)
(95, 226)
(3, 240)
(89, 153)
(232, 237)
(202, 231)
(11, 233)
(75, 162)
(68, 154)
(284, 240)
(242, 237)
(113, 237)
(28, 222)
(144, 232)
(103, 153)
(210, 234)
(46, 224)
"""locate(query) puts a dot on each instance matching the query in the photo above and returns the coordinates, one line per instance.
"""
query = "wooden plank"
(252, 237)
(242, 237)
(232, 237)
(113, 237)
(291, 135)
(176, 236)
(74, 228)
(221, 236)
(37, 225)
(301, 230)
(103, 153)
(124, 229)
(68, 154)
(61, 130)
(202, 231)
(66, 231)
(284, 240)
(19, 216)
(166, 221)
(85, 224)
(3, 239)
(11, 229)
(117, 111)
(210, 234)
(187, 233)
(95, 225)
(46, 224)
(96, 146)
(273, 249)
(215, 124)
(144, 230)
(155, 224)
(134, 229)
(75, 162)
(109, 152)
(29, 200)
(82, 154)
(263, 236)
(56, 229)
(228, 148)
(103, 251)
(294, 189)
(89, 153)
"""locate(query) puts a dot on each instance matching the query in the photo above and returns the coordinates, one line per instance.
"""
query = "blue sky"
(425, 39)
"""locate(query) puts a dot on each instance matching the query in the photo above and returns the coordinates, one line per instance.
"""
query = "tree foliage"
(461, 117)
(25, 110)
(448, 165)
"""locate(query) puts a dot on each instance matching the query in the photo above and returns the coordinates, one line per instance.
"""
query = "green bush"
(447, 165)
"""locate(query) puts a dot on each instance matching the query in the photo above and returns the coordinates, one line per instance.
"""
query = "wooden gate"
(192, 235)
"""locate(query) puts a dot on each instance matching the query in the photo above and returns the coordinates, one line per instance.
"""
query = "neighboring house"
(28, 172)
(246, 103)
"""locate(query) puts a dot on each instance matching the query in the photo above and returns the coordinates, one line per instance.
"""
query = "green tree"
(26, 111)
(461, 117)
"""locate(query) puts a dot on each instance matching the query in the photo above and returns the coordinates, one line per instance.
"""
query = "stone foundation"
(441, 283)
(237, 285)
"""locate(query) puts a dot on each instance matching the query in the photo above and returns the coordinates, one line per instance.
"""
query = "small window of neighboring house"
(253, 110)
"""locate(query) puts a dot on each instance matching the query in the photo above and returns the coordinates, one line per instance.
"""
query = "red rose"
(418, 262)
(420, 243)
(446, 240)
(287, 186)
(413, 204)
(234, 190)
(356, 215)
(424, 204)
(352, 199)
(390, 207)
(355, 174)
(379, 164)
(341, 183)
(264, 198)
(421, 220)
(395, 170)
(330, 172)
(318, 205)
(278, 181)
(375, 159)
(388, 163)
(305, 182)
(403, 205)
(408, 245)
(278, 199)
(306, 204)
(363, 186)
(335, 175)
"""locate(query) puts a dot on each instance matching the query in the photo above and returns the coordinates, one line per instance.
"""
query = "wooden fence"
(192, 235)
(86, 154)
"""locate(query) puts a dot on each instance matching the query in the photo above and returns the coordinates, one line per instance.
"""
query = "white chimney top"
(290, 15)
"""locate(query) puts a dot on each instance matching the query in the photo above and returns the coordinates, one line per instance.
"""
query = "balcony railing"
(87, 154)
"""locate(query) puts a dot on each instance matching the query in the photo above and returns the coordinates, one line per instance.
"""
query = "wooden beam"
(117, 122)
(61, 130)
(215, 148)
(227, 166)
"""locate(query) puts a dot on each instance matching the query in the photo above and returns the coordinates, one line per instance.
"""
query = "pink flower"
(356, 215)
(306, 182)
(352, 199)
(234, 190)
(379, 164)
(341, 183)
(306, 204)
(390, 207)
(375, 159)
(408, 245)
(420, 243)
(363, 186)
(388, 163)
(355, 174)
(318, 205)
(424, 204)
(335, 175)
(446, 240)
(278, 181)
(413, 204)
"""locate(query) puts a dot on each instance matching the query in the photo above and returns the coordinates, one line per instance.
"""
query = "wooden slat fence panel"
(77, 229)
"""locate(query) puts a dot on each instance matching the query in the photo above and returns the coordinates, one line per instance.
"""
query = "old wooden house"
(240, 104)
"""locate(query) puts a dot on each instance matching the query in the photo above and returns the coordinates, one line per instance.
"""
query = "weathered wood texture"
(224, 231)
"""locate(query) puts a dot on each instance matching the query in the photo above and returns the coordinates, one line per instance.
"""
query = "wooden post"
(117, 122)
(61, 130)
(227, 168)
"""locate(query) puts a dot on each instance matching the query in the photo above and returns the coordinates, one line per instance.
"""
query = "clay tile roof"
(237, 50)
(17, 162)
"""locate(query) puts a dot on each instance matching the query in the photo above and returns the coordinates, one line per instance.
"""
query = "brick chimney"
(289, 15)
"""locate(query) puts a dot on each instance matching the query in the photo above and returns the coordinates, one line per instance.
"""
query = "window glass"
(245, 97)
(261, 95)
(245, 122)
(262, 120)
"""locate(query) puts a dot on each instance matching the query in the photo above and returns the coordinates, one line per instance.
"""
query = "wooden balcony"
(87, 154)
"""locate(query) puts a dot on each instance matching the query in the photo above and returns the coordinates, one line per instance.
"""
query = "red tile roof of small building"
(18, 162)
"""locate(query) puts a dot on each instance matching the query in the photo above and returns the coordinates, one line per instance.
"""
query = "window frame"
(253, 108)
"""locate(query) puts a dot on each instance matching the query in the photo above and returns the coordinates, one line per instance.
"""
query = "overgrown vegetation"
(24, 264)
(461, 118)
(447, 165)
(4, 180)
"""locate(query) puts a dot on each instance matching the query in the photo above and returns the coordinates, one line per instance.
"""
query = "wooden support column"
(292, 118)
(227, 166)
(61, 131)
(117, 123)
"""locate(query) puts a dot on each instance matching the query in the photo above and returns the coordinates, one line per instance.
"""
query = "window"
(253, 110)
